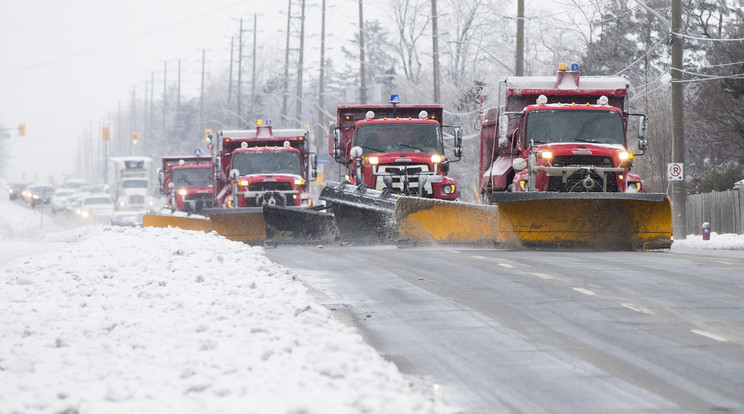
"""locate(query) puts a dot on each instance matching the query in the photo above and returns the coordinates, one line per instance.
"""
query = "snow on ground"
(131, 320)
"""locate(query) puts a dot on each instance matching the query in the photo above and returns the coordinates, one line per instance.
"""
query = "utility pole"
(519, 68)
(362, 75)
(132, 119)
(286, 65)
(253, 70)
(230, 81)
(165, 87)
(321, 78)
(145, 124)
(435, 50)
(178, 91)
(201, 100)
(240, 75)
(298, 101)
(150, 124)
(679, 190)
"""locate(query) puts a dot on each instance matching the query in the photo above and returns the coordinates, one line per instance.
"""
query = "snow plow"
(254, 225)
(260, 190)
(598, 221)
(388, 151)
(553, 174)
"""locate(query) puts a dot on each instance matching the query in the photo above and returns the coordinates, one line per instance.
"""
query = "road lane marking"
(478, 257)
(710, 335)
(544, 276)
(638, 308)
(506, 265)
(585, 291)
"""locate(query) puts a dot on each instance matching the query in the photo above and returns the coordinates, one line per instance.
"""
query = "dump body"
(402, 149)
(186, 182)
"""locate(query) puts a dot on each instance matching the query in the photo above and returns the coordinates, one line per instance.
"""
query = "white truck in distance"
(130, 180)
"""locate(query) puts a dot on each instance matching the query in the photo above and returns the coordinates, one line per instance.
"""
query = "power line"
(115, 42)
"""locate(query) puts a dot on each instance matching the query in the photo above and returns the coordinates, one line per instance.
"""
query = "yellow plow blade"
(423, 220)
(245, 225)
(597, 221)
(181, 222)
(601, 221)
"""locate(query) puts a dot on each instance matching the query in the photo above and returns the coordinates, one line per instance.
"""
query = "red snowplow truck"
(186, 182)
(263, 166)
(554, 161)
(259, 179)
(387, 151)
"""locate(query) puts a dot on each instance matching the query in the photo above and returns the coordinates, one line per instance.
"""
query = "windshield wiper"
(594, 141)
(373, 149)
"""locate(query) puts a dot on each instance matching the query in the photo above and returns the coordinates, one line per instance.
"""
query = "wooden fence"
(724, 210)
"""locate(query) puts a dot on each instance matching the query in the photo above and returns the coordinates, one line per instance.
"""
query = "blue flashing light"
(394, 99)
(197, 151)
(268, 122)
(574, 67)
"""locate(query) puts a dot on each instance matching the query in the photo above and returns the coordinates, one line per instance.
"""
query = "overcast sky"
(66, 65)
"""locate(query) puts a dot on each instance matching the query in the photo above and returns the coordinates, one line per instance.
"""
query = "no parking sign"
(675, 171)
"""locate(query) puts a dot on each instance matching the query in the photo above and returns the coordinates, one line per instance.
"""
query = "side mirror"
(336, 143)
(171, 185)
(503, 129)
(234, 173)
(642, 128)
(458, 142)
(313, 163)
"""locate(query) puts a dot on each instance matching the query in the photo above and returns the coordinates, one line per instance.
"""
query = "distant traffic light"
(135, 137)
(105, 134)
(208, 134)
(21, 130)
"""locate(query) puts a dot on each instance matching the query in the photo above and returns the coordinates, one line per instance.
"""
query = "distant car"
(59, 199)
(126, 218)
(96, 189)
(96, 208)
(38, 193)
(15, 190)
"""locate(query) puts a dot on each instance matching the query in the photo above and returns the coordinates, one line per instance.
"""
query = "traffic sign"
(675, 171)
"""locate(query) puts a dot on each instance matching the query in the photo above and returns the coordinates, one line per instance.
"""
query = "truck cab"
(398, 148)
(562, 134)
(263, 166)
(186, 182)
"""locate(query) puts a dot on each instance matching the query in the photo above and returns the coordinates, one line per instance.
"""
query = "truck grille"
(137, 199)
(270, 186)
(574, 160)
(398, 172)
(574, 183)
(194, 203)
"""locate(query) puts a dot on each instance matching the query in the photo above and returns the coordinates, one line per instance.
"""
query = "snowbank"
(115, 320)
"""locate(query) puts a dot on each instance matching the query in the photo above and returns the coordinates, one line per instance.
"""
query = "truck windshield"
(399, 137)
(566, 125)
(192, 177)
(268, 162)
(134, 184)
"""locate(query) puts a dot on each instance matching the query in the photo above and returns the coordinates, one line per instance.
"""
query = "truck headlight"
(85, 213)
(299, 182)
(373, 160)
(436, 159)
(182, 192)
